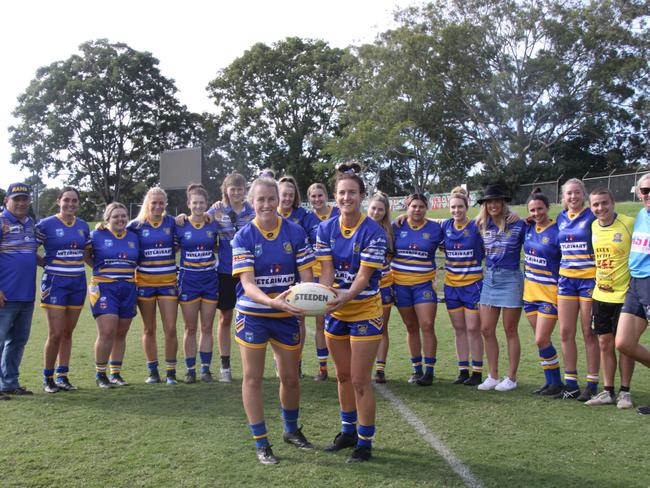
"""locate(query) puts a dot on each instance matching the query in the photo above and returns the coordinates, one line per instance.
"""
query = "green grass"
(197, 435)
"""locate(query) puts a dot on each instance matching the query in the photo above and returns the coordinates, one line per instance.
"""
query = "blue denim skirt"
(502, 288)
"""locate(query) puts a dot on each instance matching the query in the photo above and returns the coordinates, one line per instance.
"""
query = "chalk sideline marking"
(414, 421)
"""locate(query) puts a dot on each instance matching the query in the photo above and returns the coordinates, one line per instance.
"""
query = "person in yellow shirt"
(611, 236)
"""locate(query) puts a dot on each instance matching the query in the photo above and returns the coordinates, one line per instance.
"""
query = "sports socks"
(170, 366)
(322, 354)
(115, 367)
(206, 360)
(380, 365)
(62, 371)
(550, 363)
(100, 369)
(48, 374)
(416, 364)
(365, 433)
(463, 366)
(260, 435)
(348, 422)
(477, 367)
(571, 380)
(592, 382)
(290, 418)
(429, 363)
(190, 364)
(152, 366)
(225, 362)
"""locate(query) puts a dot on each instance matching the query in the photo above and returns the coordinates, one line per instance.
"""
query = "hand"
(401, 218)
(180, 219)
(2, 299)
(512, 217)
(208, 218)
(280, 303)
(342, 297)
(100, 226)
(218, 208)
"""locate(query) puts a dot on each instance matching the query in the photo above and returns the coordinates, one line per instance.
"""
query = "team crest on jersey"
(562, 225)
(332, 243)
(465, 233)
(108, 242)
(53, 300)
(59, 232)
(276, 268)
(210, 234)
(187, 235)
(249, 336)
(546, 308)
(145, 233)
(428, 294)
(448, 233)
(582, 225)
(618, 237)
(167, 230)
(132, 245)
(426, 235)
(403, 234)
(545, 240)
(81, 232)
(141, 292)
(258, 250)
(288, 248)
(356, 249)
(362, 329)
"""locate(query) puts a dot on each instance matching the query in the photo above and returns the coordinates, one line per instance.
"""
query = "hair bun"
(267, 173)
(459, 190)
(350, 167)
(536, 190)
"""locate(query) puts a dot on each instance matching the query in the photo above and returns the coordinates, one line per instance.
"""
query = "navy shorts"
(63, 291)
(115, 297)
(256, 331)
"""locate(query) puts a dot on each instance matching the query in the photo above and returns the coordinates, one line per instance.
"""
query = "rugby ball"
(310, 297)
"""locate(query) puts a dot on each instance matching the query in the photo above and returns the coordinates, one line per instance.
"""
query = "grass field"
(197, 435)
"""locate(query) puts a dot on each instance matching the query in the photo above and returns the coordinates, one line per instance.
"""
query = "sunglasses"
(644, 191)
(233, 219)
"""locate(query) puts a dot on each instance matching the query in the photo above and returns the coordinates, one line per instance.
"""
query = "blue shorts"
(409, 295)
(63, 291)
(255, 331)
(575, 288)
(117, 298)
(363, 330)
(543, 309)
(169, 292)
(198, 285)
(387, 296)
(463, 297)
(502, 287)
(637, 298)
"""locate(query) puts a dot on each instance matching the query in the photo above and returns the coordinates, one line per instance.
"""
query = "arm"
(359, 284)
(254, 293)
(2, 299)
(88, 256)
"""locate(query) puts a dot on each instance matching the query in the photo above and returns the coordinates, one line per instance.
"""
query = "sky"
(192, 39)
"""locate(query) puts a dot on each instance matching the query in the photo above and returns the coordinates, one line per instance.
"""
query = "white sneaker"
(506, 384)
(624, 400)
(603, 398)
(226, 375)
(489, 384)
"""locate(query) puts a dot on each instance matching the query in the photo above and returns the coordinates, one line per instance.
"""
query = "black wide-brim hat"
(493, 192)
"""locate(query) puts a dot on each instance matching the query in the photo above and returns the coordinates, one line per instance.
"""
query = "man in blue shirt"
(17, 285)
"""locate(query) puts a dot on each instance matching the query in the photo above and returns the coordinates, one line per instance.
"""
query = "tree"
(278, 108)
(104, 116)
(517, 80)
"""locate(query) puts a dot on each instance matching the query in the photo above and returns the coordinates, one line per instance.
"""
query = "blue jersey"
(114, 258)
(17, 258)
(503, 248)
(414, 260)
(348, 249)
(228, 225)
(575, 244)
(312, 220)
(274, 257)
(64, 245)
(463, 253)
(640, 250)
(197, 243)
(157, 260)
(297, 216)
(542, 263)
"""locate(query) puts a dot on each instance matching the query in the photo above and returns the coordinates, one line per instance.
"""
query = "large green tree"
(278, 108)
(100, 119)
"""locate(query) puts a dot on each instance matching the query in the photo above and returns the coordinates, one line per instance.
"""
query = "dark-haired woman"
(352, 251)
(63, 285)
(414, 269)
(542, 263)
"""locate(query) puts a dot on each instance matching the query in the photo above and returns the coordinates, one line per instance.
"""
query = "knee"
(512, 331)
(342, 376)
(488, 331)
(606, 343)
(567, 334)
(252, 381)
(290, 381)
(427, 327)
(624, 345)
(360, 385)
(149, 330)
(206, 329)
(412, 327)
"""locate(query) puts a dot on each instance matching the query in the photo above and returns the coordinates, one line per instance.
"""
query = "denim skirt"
(502, 288)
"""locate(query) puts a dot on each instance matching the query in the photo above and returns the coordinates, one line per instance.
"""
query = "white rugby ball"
(310, 297)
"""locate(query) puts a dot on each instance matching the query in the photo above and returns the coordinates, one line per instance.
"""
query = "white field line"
(414, 421)
(443, 451)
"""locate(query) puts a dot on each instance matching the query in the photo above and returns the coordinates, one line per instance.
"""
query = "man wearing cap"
(17, 285)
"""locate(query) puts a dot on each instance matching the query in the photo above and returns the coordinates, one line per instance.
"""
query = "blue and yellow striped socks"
(416, 364)
(550, 363)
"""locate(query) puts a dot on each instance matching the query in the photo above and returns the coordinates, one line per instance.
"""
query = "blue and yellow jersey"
(463, 253)
(198, 243)
(503, 248)
(115, 258)
(228, 225)
(640, 250)
(348, 249)
(17, 258)
(387, 278)
(297, 216)
(541, 263)
(575, 244)
(157, 261)
(64, 245)
(275, 258)
(311, 222)
(612, 251)
(415, 249)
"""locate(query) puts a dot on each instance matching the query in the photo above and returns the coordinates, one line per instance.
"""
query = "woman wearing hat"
(503, 284)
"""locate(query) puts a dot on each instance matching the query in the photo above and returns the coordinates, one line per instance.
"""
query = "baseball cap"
(18, 189)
